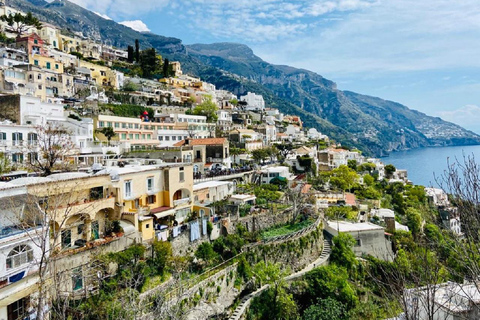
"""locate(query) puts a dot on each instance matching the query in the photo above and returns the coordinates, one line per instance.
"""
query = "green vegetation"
(127, 110)
(285, 229)
(207, 108)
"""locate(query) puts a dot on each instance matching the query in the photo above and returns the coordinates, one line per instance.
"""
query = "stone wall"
(257, 222)
(295, 254)
(181, 245)
(10, 108)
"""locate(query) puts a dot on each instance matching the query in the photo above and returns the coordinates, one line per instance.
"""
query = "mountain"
(374, 125)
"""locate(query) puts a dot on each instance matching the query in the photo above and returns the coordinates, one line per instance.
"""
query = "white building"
(21, 240)
(12, 57)
(217, 190)
(254, 101)
(447, 300)
(275, 172)
(438, 197)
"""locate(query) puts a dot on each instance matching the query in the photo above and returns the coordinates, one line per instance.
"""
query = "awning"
(162, 212)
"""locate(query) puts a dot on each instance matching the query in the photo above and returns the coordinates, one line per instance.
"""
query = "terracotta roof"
(201, 142)
(350, 199)
(160, 209)
(306, 188)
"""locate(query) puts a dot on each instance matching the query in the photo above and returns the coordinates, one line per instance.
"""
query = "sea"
(426, 165)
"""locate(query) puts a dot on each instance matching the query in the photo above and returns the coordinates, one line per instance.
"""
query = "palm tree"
(108, 132)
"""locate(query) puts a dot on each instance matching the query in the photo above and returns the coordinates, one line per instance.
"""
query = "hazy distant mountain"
(375, 125)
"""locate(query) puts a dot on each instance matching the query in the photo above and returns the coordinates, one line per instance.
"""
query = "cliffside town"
(132, 190)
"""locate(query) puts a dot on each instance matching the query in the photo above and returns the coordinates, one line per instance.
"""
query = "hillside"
(374, 125)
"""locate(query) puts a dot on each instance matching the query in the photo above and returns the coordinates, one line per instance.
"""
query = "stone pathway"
(322, 260)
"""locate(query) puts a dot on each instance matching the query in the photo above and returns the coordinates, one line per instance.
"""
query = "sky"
(422, 53)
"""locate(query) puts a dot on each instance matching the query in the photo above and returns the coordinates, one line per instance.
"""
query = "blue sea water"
(426, 163)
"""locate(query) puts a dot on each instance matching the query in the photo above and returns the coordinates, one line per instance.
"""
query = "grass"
(152, 282)
(285, 229)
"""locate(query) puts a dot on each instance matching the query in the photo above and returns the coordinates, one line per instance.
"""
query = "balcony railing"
(181, 202)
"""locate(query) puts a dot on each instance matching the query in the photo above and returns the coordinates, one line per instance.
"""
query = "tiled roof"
(160, 209)
(201, 142)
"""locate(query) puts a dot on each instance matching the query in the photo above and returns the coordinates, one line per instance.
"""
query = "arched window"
(19, 256)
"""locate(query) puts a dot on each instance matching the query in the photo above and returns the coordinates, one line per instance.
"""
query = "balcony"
(181, 202)
(90, 206)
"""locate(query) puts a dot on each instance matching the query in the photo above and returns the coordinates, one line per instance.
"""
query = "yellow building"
(69, 44)
(46, 62)
(161, 192)
(49, 33)
(102, 75)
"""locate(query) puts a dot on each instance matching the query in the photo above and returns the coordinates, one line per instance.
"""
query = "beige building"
(132, 133)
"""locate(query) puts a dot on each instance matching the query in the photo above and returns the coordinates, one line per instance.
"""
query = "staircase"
(321, 260)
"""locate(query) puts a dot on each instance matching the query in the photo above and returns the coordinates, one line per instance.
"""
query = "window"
(128, 189)
(66, 238)
(143, 136)
(18, 309)
(174, 138)
(136, 203)
(182, 174)
(35, 62)
(130, 136)
(167, 138)
(19, 256)
(150, 181)
(151, 199)
(17, 138)
(136, 125)
(17, 157)
(56, 66)
(48, 65)
(117, 125)
(130, 125)
(77, 279)
(32, 157)
(109, 124)
(137, 136)
(358, 243)
(179, 138)
(124, 125)
(32, 138)
(149, 136)
(160, 138)
(124, 136)
(35, 41)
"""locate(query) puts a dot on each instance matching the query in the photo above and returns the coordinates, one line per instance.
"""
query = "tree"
(162, 255)
(21, 23)
(341, 213)
(130, 54)
(259, 155)
(207, 108)
(300, 201)
(275, 302)
(352, 164)
(5, 164)
(108, 132)
(343, 177)
(235, 152)
(166, 68)
(137, 51)
(49, 151)
(149, 62)
(284, 149)
(326, 309)
(205, 252)
(390, 170)
(330, 282)
(342, 252)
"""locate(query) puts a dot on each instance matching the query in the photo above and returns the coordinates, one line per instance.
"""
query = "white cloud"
(467, 116)
(104, 16)
(122, 8)
(388, 36)
(137, 25)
